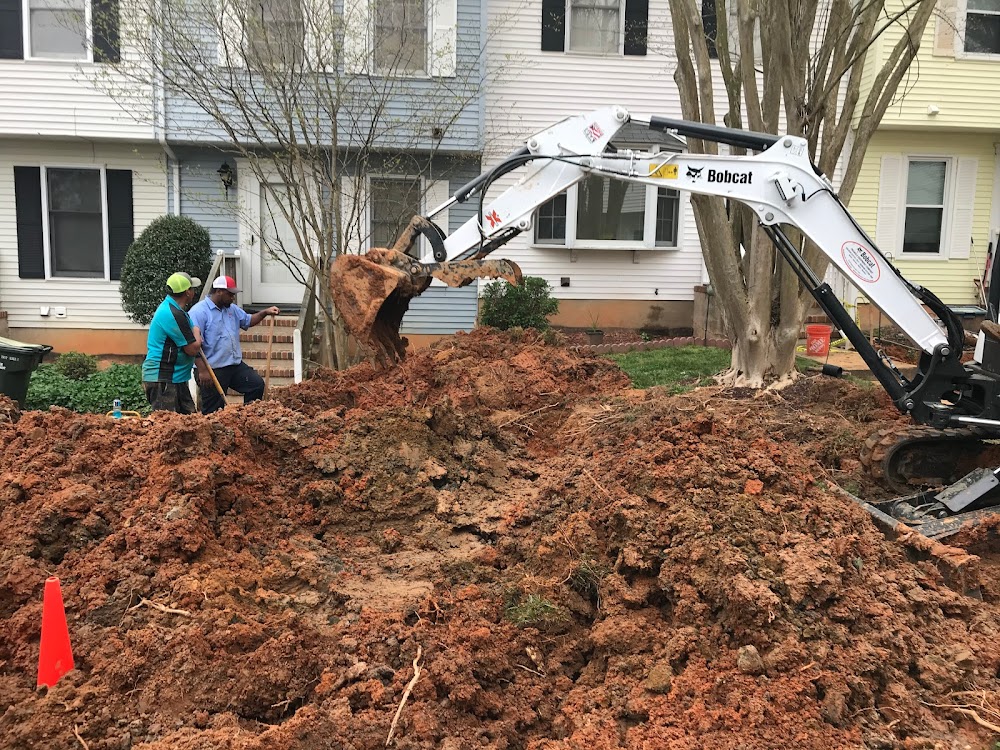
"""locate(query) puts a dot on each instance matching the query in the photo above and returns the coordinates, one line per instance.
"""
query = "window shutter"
(965, 197)
(358, 38)
(710, 23)
(444, 37)
(104, 15)
(11, 45)
(437, 192)
(636, 26)
(120, 229)
(554, 25)
(944, 28)
(230, 28)
(887, 219)
(28, 210)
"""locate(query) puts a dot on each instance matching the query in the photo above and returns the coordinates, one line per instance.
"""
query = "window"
(394, 201)
(597, 27)
(275, 32)
(601, 212)
(982, 26)
(550, 228)
(58, 28)
(72, 222)
(926, 184)
(75, 222)
(80, 30)
(401, 35)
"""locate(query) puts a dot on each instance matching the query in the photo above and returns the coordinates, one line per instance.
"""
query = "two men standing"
(176, 338)
(221, 320)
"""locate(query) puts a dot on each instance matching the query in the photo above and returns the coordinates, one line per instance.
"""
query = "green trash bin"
(17, 361)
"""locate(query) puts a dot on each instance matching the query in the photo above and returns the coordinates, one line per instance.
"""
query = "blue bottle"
(116, 410)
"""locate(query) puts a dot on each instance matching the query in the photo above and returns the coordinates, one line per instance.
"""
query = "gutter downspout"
(160, 95)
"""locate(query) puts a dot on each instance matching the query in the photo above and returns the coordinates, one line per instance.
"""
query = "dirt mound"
(578, 563)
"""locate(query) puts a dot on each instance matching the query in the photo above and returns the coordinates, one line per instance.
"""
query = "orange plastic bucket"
(818, 340)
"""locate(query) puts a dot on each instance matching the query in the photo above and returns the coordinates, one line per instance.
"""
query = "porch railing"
(305, 328)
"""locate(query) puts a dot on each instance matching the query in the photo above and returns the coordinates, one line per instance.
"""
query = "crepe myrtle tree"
(798, 67)
(308, 98)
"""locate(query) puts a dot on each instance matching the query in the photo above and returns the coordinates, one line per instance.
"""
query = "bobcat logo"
(694, 174)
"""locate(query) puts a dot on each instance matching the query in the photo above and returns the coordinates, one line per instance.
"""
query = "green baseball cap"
(181, 282)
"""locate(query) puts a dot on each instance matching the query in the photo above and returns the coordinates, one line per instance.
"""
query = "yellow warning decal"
(664, 171)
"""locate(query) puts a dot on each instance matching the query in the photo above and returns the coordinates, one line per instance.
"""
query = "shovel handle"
(218, 385)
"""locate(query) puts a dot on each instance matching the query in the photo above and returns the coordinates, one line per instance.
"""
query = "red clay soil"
(577, 563)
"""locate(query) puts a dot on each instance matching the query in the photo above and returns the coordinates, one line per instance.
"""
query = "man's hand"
(258, 316)
(272, 311)
(205, 377)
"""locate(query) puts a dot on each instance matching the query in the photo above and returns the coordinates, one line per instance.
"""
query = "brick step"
(260, 355)
(282, 321)
(253, 336)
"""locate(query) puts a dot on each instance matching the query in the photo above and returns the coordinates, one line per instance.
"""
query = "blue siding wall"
(204, 199)
(411, 108)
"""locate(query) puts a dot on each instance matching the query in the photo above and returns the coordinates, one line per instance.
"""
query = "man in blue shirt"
(221, 320)
(171, 347)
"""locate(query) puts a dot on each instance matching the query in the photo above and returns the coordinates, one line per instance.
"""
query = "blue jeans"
(242, 378)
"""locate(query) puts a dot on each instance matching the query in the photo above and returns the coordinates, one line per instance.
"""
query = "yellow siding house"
(928, 189)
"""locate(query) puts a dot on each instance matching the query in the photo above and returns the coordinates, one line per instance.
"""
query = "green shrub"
(527, 305)
(76, 366)
(169, 244)
(95, 394)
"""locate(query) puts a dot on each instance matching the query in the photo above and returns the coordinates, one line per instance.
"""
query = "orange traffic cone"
(55, 656)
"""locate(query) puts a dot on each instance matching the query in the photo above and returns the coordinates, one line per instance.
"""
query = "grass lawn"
(678, 368)
(682, 368)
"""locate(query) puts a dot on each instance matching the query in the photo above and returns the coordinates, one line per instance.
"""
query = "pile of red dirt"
(575, 563)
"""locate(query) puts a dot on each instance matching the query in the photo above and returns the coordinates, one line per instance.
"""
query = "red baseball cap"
(228, 283)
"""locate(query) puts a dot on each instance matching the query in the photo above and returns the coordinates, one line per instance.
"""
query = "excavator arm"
(958, 404)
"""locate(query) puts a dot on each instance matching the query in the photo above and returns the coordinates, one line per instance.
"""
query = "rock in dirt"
(748, 660)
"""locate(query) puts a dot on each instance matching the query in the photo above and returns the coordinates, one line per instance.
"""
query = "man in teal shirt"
(171, 347)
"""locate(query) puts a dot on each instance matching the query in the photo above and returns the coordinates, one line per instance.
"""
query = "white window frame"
(26, 36)
(304, 18)
(946, 212)
(568, 25)
(962, 14)
(46, 231)
(648, 227)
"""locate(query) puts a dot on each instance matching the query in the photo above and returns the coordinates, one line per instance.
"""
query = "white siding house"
(80, 174)
(628, 277)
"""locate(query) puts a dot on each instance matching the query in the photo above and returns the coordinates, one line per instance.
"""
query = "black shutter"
(120, 229)
(554, 25)
(28, 210)
(636, 26)
(105, 20)
(711, 24)
(11, 45)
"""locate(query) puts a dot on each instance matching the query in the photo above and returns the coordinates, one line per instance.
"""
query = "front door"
(275, 265)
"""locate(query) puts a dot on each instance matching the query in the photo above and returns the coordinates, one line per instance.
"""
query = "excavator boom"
(782, 187)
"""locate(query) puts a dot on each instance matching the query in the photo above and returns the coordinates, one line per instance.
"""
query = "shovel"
(270, 344)
(218, 385)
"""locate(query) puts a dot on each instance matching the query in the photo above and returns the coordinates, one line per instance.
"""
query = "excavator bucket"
(372, 292)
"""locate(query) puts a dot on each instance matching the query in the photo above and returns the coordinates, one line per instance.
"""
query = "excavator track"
(916, 457)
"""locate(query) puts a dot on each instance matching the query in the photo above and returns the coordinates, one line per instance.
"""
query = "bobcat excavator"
(955, 406)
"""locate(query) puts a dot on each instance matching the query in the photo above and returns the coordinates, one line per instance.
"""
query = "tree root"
(417, 669)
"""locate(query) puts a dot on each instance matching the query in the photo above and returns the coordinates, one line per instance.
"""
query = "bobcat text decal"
(861, 262)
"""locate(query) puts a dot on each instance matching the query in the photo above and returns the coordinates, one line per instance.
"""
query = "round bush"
(525, 306)
(169, 244)
(76, 366)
